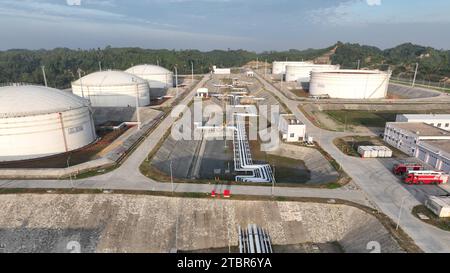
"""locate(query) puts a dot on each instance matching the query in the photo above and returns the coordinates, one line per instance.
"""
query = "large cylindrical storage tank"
(112, 89)
(350, 84)
(302, 73)
(279, 68)
(157, 76)
(37, 121)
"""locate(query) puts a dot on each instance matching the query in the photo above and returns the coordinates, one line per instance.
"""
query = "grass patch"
(362, 118)
(349, 145)
(441, 223)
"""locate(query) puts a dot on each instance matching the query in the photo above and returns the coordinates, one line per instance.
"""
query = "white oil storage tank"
(350, 84)
(37, 121)
(157, 76)
(279, 68)
(112, 89)
(302, 73)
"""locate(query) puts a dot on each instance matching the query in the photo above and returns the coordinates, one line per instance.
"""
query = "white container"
(439, 205)
(364, 151)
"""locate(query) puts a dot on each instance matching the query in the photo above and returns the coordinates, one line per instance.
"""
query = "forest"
(62, 64)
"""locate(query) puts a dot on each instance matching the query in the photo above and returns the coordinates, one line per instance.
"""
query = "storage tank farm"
(112, 89)
(350, 84)
(36, 121)
(156, 76)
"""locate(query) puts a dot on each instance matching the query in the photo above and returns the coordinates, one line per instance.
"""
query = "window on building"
(292, 135)
(439, 125)
(447, 125)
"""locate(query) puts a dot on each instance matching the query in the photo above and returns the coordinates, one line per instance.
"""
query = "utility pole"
(415, 75)
(100, 66)
(176, 79)
(70, 174)
(257, 63)
(137, 105)
(359, 64)
(192, 71)
(45, 77)
(81, 82)
(171, 176)
(273, 181)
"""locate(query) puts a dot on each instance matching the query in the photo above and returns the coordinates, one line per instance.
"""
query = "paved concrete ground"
(139, 223)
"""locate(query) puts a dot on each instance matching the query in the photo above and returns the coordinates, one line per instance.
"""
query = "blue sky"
(220, 24)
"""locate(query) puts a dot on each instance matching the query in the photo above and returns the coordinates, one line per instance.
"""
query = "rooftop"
(441, 145)
(291, 119)
(420, 128)
(427, 116)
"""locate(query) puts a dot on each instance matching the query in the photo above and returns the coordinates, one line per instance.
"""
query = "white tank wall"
(114, 95)
(350, 84)
(302, 73)
(279, 68)
(28, 137)
(159, 80)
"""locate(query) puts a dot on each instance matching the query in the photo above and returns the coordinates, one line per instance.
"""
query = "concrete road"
(382, 187)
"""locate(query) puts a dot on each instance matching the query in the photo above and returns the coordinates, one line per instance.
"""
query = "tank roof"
(109, 78)
(25, 100)
(148, 69)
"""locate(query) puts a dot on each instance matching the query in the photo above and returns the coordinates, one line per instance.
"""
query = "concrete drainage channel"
(143, 223)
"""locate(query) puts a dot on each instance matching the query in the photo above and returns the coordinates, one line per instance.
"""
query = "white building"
(112, 89)
(202, 92)
(435, 153)
(221, 71)
(350, 84)
(250, 74)
(37, 121)
(292, 129)
(156, 76)
(405, 136)
(437, 120)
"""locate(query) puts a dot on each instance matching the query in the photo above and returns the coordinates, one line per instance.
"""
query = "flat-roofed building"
(437, 120)
(292, 129)
(435, 153)
(405, 136)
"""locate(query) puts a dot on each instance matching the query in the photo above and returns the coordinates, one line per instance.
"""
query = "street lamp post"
(138, 117)
(400, 212)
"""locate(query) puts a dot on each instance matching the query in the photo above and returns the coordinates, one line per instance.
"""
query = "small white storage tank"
(157, 76)
(37, 121)
(112, 89)
(302, 73)
(350, 84)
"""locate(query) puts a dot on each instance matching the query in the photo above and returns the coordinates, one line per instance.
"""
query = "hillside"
(61, 64)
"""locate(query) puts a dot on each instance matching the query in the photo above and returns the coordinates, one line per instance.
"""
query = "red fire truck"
(426, 177)
(402, 168)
